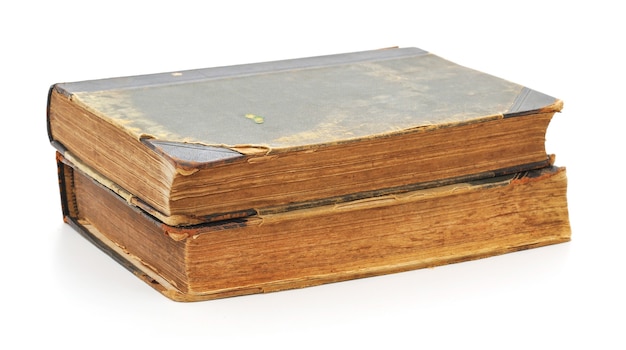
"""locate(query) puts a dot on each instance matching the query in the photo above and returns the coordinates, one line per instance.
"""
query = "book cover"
(208, 144)
(306, 247)
(202, 115)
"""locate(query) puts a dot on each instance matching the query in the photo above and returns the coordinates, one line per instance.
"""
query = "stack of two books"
(262, 177)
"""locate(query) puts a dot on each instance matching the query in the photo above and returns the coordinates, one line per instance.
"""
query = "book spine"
(187, 76)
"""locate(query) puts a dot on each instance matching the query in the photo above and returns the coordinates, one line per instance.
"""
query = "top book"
(208, 144)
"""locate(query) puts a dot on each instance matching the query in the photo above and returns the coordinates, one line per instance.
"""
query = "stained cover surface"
(295, 103)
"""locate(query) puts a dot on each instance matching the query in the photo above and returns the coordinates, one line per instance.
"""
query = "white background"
(59, 291)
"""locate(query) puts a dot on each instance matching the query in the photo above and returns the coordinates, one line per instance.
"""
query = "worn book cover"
(208, 144)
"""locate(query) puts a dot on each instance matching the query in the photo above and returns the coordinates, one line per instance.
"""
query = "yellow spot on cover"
(256, 118)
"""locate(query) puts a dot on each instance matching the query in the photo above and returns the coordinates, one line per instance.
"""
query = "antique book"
(205, 145)
(333, 242)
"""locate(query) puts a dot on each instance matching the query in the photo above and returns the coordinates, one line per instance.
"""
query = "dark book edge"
(187, 221)
(485, 178)
(70, 216)
(48, 105)
(122, 259)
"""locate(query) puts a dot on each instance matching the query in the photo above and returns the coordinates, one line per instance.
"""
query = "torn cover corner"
(530, 101)
(185, 153)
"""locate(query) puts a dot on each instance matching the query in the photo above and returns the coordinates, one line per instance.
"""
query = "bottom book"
(311, 246)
